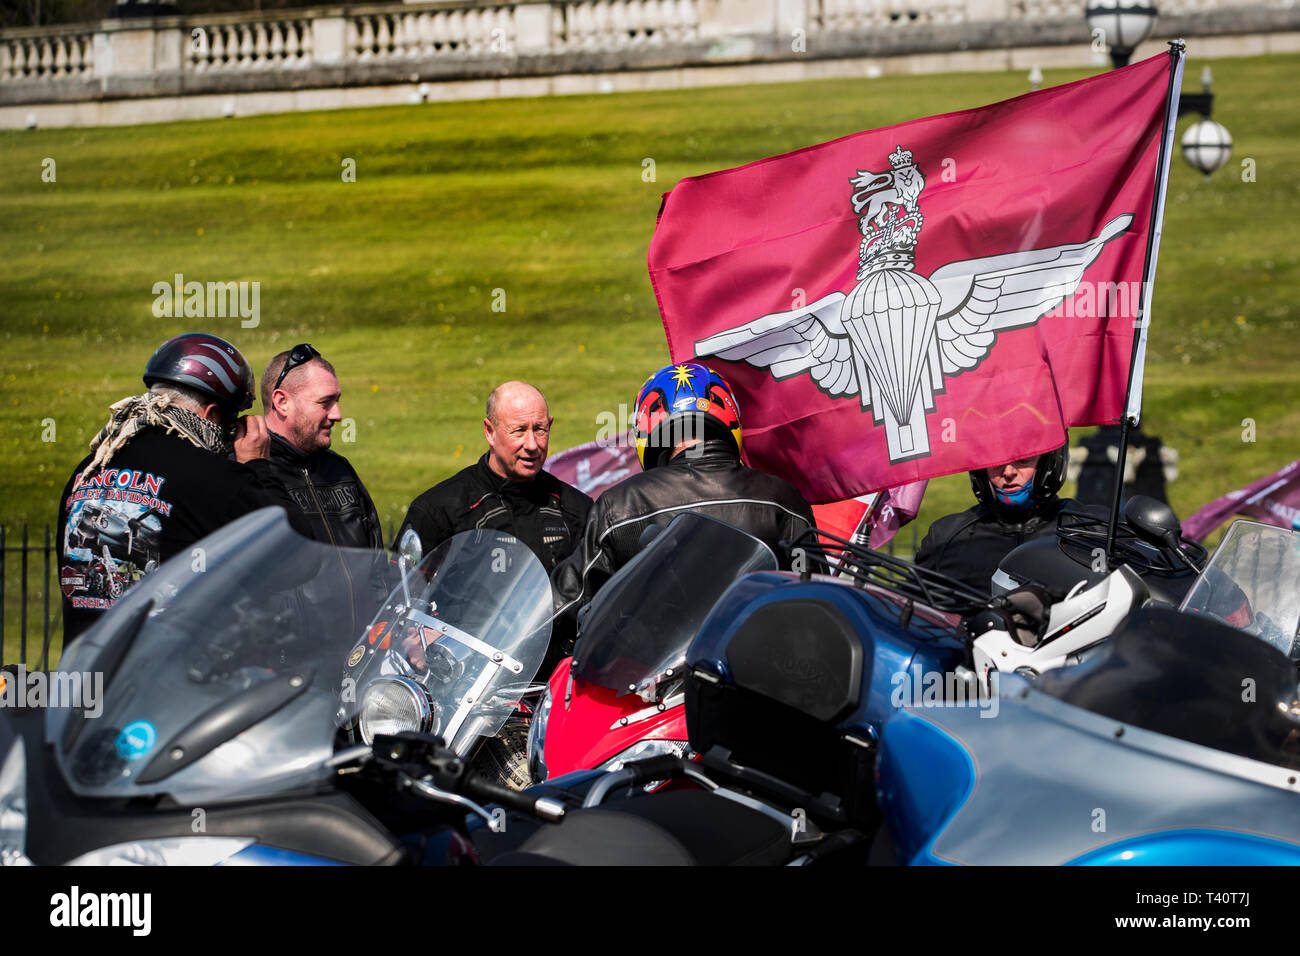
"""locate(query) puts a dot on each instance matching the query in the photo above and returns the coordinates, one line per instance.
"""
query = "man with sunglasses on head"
(159, 475)
(300, 399)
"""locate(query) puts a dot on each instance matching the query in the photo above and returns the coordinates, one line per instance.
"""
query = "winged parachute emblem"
(894, 338)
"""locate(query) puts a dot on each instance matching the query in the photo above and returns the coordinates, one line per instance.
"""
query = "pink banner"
(1274, 499)
(943, 295)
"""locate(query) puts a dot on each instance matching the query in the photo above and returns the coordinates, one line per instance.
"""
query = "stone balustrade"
(348, 47)
(49, 55)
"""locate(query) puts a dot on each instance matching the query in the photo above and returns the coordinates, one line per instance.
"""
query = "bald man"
(507, 490)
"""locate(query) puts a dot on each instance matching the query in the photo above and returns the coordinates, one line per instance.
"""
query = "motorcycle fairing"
(1042, 771)
(585, 731)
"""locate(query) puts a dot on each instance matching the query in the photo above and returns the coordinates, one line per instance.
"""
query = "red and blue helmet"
(681, 402)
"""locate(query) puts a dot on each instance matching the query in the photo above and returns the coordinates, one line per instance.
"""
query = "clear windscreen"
(216, 677)
(1253, 583)
(467, 633)
(644, 618)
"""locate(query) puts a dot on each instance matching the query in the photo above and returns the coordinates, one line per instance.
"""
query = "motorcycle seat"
(672, 828)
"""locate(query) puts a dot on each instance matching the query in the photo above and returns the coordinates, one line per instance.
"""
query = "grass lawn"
(394, 276)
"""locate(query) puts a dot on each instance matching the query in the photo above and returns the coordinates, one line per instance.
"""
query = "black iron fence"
(31, 612)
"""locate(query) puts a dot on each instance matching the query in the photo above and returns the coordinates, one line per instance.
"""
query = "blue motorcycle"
(1177, 744)
(847, 723)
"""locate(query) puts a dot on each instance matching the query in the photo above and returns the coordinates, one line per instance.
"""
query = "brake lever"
(496, 822)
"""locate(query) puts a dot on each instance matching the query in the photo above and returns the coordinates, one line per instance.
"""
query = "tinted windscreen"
(1187, 677)
(643, 619)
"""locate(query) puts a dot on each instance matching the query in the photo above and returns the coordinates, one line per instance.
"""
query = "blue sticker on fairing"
(136, 739)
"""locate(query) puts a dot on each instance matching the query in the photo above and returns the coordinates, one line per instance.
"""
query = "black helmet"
(1049, 476)
(206, 364)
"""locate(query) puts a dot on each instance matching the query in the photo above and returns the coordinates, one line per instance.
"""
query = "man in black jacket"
(158, 477)
(688, 437)
(506, 489)
(1016, 502)
(300, 395)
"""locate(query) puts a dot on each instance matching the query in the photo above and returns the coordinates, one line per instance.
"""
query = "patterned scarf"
(153, 409)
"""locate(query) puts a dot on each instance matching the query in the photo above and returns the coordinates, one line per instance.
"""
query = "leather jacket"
(328, 492)
(970, 544)
(711, 481)
(546, 514)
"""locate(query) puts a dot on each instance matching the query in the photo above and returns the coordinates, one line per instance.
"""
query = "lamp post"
(1123, 23)
(1207, 145)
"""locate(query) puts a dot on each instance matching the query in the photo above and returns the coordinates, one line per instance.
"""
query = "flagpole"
(1137, 365)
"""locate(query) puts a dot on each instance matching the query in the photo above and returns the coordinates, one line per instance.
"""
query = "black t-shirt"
(546, 514)
(157, 496)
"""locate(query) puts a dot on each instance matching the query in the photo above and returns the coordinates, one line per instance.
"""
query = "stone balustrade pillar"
(329, 37)
(732, 18)
(138, 47)
(533, 28)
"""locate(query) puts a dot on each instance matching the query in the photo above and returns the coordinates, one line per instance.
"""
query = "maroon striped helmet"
(206, 364)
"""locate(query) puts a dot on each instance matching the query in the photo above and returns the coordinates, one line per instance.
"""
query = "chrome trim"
(469, 640)
(467, 703)
(646, 713)
(426, 789)
(808, 833)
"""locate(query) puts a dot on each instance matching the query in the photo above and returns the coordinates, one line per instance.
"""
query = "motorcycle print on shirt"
(111, 539)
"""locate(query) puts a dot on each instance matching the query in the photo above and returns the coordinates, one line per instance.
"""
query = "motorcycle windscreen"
(470, 628)
(1251, 583)
(643, 619)
(216, 677)
(1191, 678)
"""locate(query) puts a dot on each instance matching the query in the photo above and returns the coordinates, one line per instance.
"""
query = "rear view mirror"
(1153, 520)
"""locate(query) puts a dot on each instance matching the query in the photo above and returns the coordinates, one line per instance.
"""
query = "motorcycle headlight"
(537, 739)
(643, 749)
(391, 705)
(13, 807)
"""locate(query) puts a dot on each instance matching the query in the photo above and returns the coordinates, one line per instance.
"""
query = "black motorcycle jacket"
(546, 514)
(969, 545)
(157, 496)
(709, 479)
(328, 493)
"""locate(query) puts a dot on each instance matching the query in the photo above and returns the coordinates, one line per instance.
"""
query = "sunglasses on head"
(299, 355)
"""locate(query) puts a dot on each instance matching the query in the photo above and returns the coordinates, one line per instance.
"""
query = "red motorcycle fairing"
(585, 733)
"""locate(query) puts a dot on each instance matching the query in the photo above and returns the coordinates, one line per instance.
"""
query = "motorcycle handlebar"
(421, 754)
(484, 791)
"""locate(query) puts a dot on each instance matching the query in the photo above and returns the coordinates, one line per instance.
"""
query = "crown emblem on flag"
(889, 219)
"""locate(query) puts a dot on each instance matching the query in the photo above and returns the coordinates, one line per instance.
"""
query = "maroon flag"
(929, 298)
(1274, 499)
